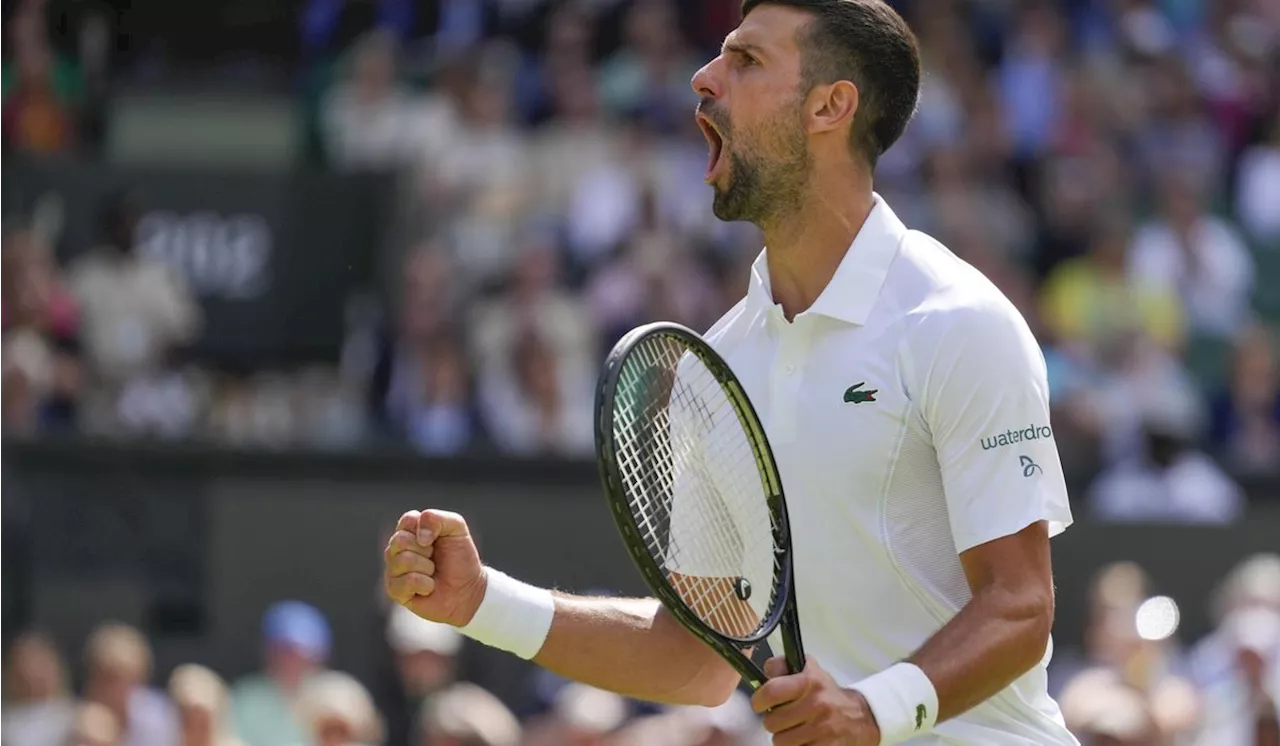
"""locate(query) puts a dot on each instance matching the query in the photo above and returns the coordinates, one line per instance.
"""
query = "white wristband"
(903, 700)
(513, 616)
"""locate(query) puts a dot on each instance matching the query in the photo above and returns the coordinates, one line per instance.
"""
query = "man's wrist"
(863, 707)
(478, 589)
(512, 616)
(902, 700)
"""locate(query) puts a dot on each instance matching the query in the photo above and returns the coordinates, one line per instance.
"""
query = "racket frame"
(784, 614)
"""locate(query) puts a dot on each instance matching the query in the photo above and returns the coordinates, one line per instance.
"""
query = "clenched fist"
(432, 567)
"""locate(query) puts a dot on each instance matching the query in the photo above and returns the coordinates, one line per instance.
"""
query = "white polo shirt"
(908, 411)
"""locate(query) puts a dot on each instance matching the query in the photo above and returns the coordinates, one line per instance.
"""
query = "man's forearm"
(635, 648)
(996, 637)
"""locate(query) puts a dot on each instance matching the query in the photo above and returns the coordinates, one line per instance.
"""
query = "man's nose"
(705, 82)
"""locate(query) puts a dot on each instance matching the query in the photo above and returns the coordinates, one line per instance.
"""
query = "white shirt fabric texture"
(946, 444)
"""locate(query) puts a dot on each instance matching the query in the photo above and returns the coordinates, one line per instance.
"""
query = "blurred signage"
(273, 257)
(221, 256)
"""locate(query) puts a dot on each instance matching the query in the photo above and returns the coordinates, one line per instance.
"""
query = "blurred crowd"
(297, 699)
(1135, 682)
(1111, 164)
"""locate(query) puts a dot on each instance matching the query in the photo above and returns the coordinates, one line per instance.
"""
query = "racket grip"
(792, 645)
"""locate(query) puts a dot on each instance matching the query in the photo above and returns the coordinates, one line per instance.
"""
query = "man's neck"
(807, 246)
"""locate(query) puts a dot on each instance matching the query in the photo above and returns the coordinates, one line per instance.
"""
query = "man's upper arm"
(985, 398)
(1015, 562)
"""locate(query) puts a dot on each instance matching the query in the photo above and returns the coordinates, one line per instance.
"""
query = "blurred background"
(275, 271)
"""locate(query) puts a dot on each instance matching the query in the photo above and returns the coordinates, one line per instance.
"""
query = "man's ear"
(831, 106)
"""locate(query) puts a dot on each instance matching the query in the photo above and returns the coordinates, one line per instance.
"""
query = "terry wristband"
(903, 701)
(514, 616)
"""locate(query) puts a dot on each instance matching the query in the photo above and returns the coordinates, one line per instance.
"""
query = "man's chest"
(833, 405)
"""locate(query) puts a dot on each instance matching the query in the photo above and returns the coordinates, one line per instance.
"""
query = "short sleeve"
(985, 401)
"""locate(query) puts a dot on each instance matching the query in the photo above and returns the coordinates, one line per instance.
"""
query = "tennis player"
(907, 405)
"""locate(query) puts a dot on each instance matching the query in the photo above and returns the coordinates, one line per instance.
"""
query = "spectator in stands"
(566, 53)
(1112, 714)
(964, 201)
(1258, 183)
(118, 663)
(466, 715)
(730, 724)
(1230, 60)
(649, 75)
(201, 698)
(1197, 255)
(477, 184)
(1118, 661)
(606, 205)
(43, 375)
(41, 88)
(1253, 584)
(95, 725)
(1030, 78)
(1177, 138)
(38, 707)
(580, 715)
(535, 298)
(1170, 479)
(338, 711)
(656, 273)
(575, 145)
(444, 421)
(138, 315)
(1089, 302)
(329, 25)
(533, 406)
(536, 350)
(425, 664)
(1115, 592)
(1108, 399)
(421, 383)
(1242, 708)
(1246, 414)
(264, 706)
(370, 120)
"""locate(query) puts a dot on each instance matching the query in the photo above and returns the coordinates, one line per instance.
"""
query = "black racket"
(695, 492)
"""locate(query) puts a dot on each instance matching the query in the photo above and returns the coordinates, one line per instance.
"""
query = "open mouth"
(715, 143)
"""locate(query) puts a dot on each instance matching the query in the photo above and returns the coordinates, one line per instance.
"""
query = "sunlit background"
(275, 271)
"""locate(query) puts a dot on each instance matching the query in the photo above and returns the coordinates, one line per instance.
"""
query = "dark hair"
(868, 43)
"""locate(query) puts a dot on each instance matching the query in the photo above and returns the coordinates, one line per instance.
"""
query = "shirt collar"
(853, 289)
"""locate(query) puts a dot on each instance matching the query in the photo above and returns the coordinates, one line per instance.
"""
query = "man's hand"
(432, 568)
(810, 709)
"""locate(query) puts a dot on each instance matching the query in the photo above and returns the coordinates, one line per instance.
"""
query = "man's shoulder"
(942, 297)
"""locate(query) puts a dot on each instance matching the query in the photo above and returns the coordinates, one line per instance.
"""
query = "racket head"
(656, 376)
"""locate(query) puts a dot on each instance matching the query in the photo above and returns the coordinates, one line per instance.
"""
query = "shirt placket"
(786, 378)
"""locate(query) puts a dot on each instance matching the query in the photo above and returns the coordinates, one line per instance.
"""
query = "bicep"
(1019, 563)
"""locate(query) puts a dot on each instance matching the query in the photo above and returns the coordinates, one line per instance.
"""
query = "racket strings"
(688, 456)
(692, 481)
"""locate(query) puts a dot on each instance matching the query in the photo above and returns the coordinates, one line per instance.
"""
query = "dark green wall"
(193, 544)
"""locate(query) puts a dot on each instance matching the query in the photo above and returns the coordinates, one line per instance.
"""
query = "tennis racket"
(695, 492)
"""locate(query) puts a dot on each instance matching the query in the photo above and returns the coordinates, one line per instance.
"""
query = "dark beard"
(760, 190)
